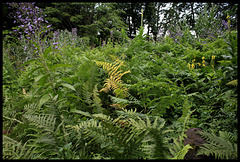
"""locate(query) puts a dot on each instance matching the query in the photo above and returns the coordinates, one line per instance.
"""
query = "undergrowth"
(121, 101)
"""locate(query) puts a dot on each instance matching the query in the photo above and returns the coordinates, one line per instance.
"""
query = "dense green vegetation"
(126, 99)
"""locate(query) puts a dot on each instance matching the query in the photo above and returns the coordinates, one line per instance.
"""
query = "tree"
(132, 16)
(109, 23)
(90, 19)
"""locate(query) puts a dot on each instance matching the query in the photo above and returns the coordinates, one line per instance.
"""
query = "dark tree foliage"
(101, 19)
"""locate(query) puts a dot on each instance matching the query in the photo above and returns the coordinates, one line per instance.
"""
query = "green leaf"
(47, 51)
(41, 79)
(36, 45)
(60, 65)
(80, 112)
(44, 99)
(68, 86)
(34, 69)
(72, 95)
(38, 78)
(65, 79)
(27, 62)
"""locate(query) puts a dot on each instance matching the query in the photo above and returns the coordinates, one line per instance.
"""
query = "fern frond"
(43, 121)
(120, 100)
(96, 102)
(124, 133)
(220, 147)
(114, 75)
(87, 93)
(177, 149)
(31, 108)
(8, 140)
(228, 136)
(181, 153)
(233, 83)
(152, 132)
(15, 150)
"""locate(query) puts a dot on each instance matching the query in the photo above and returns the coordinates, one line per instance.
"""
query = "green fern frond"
(124, 133)
(96, 102)
(218, 146)
(31, 108)
(178, 150)
(8, 140)
(91, 97)
(15, 150)
(43, 121)
(228, 136)
(233, 83)
(151, 131)
(181, 153)
(87, 93)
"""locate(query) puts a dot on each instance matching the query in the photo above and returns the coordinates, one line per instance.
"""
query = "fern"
(97, 103)
(92, 98)
(15, 150)
(222, 146)
(233, 83)
(178, 150)
(113, 81)
(124, 137)
(182, 151)
(31, 108)
(87, 93)
(43, 121)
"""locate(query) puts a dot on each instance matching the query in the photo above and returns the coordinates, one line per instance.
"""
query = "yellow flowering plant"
(228, 21)
(195, 64)
(213, 61)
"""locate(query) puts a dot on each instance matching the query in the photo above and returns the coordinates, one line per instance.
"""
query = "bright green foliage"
(15, 150)
(123, 137)
(54, 106)
(223, 146)
(180, 150)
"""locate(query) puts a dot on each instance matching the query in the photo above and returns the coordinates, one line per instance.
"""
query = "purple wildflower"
(55, 33)
(225, 24)
(104, 43)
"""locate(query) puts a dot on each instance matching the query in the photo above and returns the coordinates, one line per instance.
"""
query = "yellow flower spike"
(193, 60)
(213, 57)
(189, 65)
(203, 58)
(229, 22)
(227, 16)
(193, 66)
